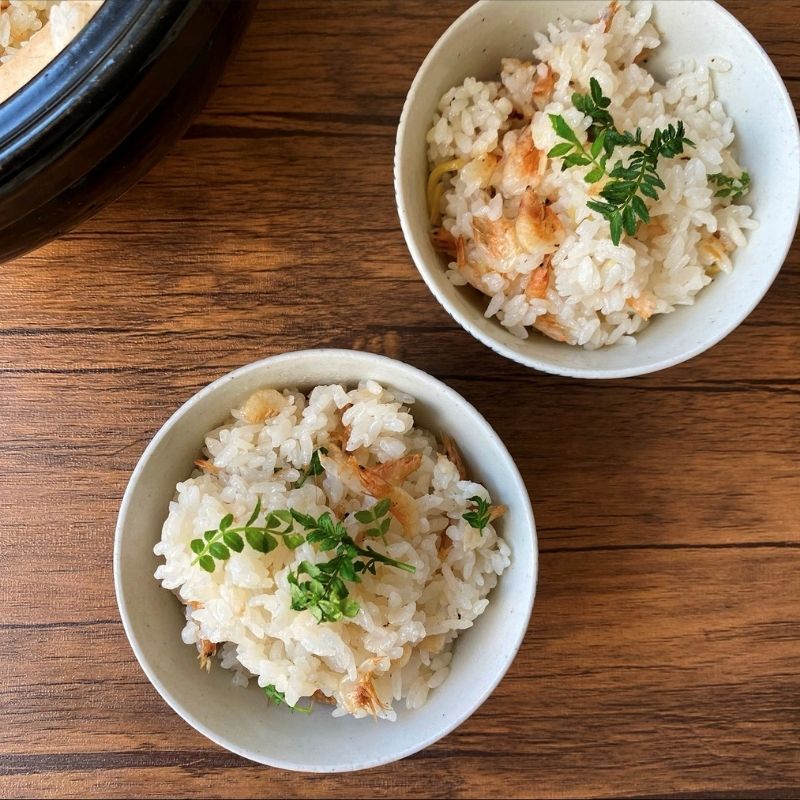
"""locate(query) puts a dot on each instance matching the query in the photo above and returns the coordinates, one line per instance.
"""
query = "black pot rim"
(119, 41)
(126, 91)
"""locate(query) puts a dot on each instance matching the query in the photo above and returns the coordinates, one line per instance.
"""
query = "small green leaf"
(601, 208)
(330, 610)
(561, 127)
(349, 607)
(284, 515)
(254, 515)
(595, 91)
(629, 221)
(597, 144)
(255, 538)
(293, 540)
(272, 521)
(616, 228)
(347, 570)
(594, 175)
(306, 567)
(328, 543)
(619, 171)
(273, 694)
(560, 150)
(576, 160)
(279, 698)
(219, 551)
(618, 192)
(233, 540)
(581, 102)
(325, 522)
(640, 208)
(197, 545)
(479, 517)
(337, 589)
(314, 467)
(209, 535)
(260, 540)
(304, 519)
(648, 191)
(730, 186)
(381, 508)
(207, 563)
(364, 516)
(226, 522)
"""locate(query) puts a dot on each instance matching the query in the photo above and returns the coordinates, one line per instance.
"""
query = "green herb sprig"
(479, 516)
(623, 195)
(314, 467)
(575, 154)
(323, 591)
(603, 136)
(730, 186)
(374, 514)
(217, 544)
(279, 698)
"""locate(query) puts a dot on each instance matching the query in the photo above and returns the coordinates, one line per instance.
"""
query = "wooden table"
(663, 657)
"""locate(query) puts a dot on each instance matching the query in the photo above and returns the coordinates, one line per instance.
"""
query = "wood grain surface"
(663, 658)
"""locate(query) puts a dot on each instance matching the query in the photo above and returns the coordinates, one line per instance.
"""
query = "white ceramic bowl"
(240, 719)
(767, 141)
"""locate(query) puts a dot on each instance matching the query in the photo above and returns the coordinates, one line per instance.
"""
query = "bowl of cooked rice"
(325, 561)
(598, 189)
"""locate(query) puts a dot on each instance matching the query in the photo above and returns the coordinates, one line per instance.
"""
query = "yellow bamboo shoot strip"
(435, 189)
(433, 204)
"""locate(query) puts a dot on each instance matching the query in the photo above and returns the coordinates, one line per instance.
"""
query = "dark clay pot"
(106, 109)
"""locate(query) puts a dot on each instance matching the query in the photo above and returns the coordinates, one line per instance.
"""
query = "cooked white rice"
(33, 32)
(401, 640)
(597, 293)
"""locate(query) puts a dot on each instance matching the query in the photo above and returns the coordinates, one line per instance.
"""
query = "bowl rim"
(519, 489)
(466, 320)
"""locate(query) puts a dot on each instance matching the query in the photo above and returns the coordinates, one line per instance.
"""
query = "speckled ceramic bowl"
(767, 141)
(240, 719)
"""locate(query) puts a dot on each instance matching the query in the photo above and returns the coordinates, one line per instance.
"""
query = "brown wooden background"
(664, 652)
